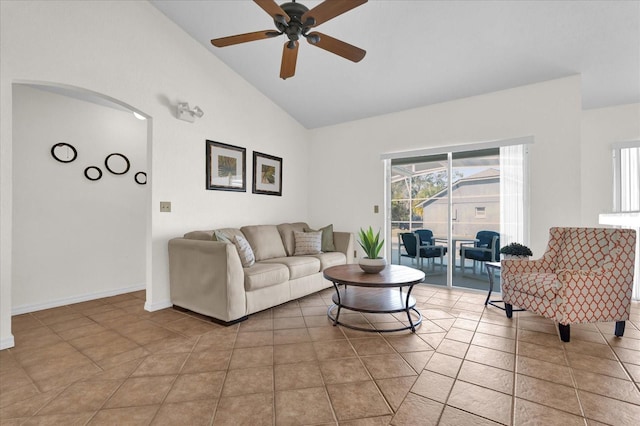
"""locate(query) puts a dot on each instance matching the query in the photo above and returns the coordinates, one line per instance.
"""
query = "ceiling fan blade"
(336, 46)
(329, 9)
(243, 38)
(272, 8)
(289, 57)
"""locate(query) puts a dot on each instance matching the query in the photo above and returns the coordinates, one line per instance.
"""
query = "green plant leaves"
(370, 243)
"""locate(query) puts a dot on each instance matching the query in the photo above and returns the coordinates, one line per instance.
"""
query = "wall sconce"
(187, 114)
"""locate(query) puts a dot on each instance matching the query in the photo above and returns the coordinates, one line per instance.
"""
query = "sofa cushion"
(299, 266)
(327, 237)
(328, 260)
(307, 243)
(261, 275)
(265, 241)
(244, 251)
(286, 231)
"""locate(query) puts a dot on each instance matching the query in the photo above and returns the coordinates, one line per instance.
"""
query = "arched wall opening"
(77, 237)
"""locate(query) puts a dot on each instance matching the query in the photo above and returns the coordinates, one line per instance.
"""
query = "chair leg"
(508, 308)
(565, 332)
(620, 328)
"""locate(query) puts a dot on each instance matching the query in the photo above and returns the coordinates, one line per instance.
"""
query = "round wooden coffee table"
(374, 293)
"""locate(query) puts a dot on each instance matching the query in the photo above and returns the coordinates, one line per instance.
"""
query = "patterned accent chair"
(485, 249)
(584, 276)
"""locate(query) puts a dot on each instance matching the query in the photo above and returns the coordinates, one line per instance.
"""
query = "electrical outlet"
(165, 206)
(376, 209)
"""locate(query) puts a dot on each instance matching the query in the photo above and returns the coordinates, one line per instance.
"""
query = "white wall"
(347, 156)
(600, 128)
(131, 52)
(73, 237)
(75, 43)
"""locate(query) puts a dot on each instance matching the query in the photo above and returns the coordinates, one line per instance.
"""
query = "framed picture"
(267, 174)
(226, 167)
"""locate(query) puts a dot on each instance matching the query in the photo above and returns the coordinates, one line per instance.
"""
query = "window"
(626, 174)
(480, 212)
(626, 192)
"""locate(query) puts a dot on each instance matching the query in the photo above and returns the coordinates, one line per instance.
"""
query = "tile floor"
(108, 361)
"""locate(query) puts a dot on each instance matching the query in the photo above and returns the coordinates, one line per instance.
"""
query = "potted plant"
(371, 244)
(516, 251)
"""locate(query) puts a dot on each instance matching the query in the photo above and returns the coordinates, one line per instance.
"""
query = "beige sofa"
(207, 275)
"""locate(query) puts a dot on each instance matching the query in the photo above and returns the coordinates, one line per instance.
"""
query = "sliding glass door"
(470, 202)
(419, 220)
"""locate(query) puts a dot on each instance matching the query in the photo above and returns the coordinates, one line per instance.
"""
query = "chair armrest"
(517, 266)
(467, 244)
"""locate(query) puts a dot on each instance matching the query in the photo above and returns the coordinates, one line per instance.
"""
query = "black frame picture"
(226, 170)
(267, 174)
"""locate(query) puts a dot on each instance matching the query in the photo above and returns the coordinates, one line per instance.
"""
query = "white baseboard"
(152, 307)
(7, 342)
(17, 310)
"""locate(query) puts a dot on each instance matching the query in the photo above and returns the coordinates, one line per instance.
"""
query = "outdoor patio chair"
(485, 249)
(584, 276)
(415, 249)
(426, 237)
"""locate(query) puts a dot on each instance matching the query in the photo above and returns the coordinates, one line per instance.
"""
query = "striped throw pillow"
(307, 243)
(244, 250)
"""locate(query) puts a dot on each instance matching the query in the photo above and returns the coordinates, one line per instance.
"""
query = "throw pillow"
(244, 250)
(327, 237)
(308, 243)
(226, 235)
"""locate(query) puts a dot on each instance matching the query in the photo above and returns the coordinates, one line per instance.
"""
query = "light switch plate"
(165, 206)
(376, 209)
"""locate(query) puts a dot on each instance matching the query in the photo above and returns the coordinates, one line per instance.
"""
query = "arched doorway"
(80, 222)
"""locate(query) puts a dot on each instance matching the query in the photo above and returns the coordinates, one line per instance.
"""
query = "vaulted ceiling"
(426, 52)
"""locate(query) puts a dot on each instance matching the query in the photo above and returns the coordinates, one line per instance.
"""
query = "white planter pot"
(372, 266)
(511, 256)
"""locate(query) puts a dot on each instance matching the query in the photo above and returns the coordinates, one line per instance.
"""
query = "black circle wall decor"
(64, 152)
(113, 157)
(141, 178)
(93, 176)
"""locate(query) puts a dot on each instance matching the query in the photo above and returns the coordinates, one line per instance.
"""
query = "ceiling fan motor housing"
(295, 28)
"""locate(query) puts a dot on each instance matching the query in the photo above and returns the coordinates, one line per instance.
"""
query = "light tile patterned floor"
(109, 362)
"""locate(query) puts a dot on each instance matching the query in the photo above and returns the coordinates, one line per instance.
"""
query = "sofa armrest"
(207, 277)
(344, 244)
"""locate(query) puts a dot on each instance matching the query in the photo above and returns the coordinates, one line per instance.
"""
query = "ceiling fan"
(295, 20)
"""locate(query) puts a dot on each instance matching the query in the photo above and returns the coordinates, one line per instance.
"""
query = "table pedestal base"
(412, 325)
(375, 301)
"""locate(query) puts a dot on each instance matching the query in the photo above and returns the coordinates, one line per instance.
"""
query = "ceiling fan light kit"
(295, 20)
